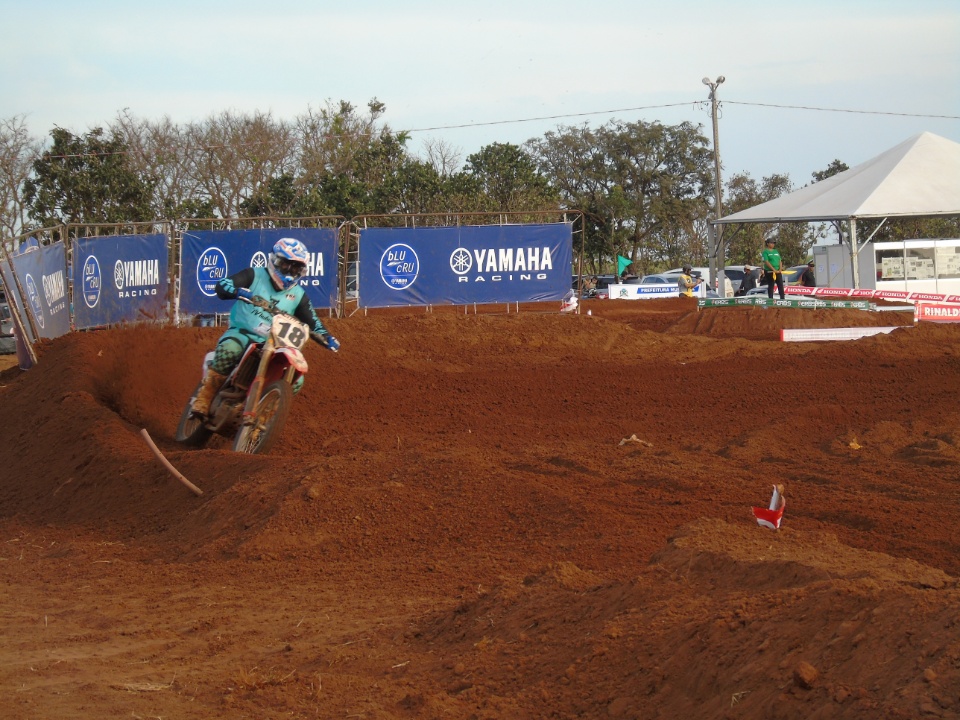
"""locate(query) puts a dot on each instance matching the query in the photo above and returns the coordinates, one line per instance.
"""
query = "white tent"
(919, 177)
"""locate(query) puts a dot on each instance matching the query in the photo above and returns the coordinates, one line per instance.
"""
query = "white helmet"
(287, 263)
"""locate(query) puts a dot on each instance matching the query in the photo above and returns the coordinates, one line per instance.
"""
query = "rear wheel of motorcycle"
(271, 414)
(191, 430)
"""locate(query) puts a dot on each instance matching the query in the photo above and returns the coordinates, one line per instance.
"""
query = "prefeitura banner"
(208, 256)
(42, 273)
(464, 265)
(122, 278)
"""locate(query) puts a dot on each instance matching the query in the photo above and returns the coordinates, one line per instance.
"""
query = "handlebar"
(271, 307)
(262, 303)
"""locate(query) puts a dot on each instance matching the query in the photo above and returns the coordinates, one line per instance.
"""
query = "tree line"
(646, 189)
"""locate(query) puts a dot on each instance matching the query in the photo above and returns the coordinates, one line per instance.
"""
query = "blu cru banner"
(122, 278)
(209, 256)
(464, 265)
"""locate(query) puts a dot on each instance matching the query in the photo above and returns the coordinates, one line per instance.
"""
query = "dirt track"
(453, 529)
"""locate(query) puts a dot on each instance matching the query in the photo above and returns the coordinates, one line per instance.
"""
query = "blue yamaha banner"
(208, 256)
(121, 278)
(42, 273)
(464, 265)
(13, 298)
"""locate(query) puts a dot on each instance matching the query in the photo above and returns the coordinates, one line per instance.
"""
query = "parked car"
(658, 279)
(732, 281)
(8, 344)
(791, 276)
(734, 273)
(673, 280)
(605, 281)
(697, 271)
(601, 285)
(762, 291)
(352, 270)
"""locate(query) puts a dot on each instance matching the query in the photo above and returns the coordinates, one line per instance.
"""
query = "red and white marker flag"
(770, 517)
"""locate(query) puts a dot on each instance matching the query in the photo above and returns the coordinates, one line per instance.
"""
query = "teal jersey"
(250, 324)
(251, 319)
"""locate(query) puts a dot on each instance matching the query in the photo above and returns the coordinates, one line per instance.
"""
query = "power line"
(695, 102)
(574, 115)
(551, 117)
(858, 112)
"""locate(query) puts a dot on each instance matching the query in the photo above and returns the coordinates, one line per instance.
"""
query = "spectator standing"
(749, 282)
(808, 279)
(686, 284)
(773, 268)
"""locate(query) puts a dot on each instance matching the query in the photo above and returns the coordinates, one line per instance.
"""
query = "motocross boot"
(212, 381)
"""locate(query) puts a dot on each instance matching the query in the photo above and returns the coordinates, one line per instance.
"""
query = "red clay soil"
(453, 528)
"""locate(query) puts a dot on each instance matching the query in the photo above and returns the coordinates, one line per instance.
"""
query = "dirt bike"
(254, 401)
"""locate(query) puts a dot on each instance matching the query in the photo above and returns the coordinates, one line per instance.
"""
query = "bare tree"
(331, 137)
(232, 157)
(18, 151)
(160, 151)
(445, 158)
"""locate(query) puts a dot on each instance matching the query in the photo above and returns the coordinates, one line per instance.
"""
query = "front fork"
(256, 386)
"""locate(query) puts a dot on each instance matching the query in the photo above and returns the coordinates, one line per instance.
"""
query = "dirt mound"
(481, 515)
(755, 623)
(762, 323)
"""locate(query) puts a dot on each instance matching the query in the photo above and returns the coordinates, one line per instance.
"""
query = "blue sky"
(492, 64)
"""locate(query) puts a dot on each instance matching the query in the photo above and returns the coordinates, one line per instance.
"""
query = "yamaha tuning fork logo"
(211, 269)
(461, 261)
(259, 259)
(118, 275)
(399, 266)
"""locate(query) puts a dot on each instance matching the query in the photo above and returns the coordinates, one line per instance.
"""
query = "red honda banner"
(914, 297)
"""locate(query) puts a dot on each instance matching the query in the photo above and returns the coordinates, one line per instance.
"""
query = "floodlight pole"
(718, 252)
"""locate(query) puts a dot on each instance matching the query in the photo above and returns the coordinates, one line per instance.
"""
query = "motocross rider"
(277, 283)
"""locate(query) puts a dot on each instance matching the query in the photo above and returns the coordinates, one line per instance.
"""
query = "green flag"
(622, 264)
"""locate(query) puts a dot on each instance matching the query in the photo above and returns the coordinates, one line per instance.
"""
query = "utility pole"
(717, 251)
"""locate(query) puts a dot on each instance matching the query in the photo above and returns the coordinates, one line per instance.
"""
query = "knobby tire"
(191, 430)
(271, 415)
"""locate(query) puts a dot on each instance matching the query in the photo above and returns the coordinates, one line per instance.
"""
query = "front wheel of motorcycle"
(271, 414)
(191, 430)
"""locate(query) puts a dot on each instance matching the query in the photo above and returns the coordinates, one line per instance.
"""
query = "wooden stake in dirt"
(167, 465)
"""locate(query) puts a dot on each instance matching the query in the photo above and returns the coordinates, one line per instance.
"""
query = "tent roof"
(918, 177)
